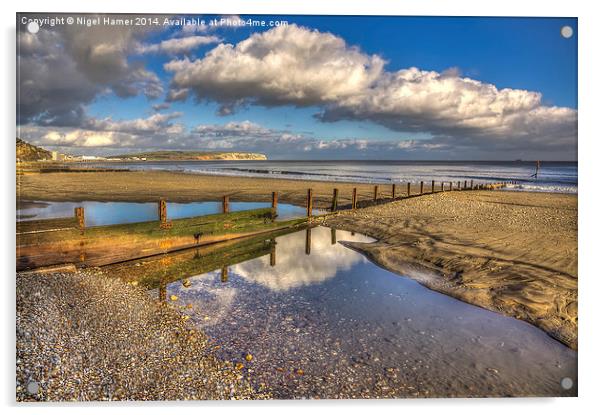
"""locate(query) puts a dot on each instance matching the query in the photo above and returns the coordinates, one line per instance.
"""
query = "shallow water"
(321, 321)
(109, 213)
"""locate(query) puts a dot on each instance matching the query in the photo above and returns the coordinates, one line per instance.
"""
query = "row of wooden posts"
(375, 198)
(165, 224)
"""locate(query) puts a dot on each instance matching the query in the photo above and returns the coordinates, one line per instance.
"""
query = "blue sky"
(513, 53)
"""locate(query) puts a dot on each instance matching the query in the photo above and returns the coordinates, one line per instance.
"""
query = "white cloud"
(285, 65)
(152, 124)
(415, 100)
(177, 46)
(62, 69)
(293, 65)
(154, 131)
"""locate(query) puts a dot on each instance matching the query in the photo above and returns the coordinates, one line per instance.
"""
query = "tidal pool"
(110, 213)
(321, 321)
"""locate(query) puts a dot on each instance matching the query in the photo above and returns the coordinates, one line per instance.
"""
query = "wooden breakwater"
(51, 242)
(56, 241)
(399, 191)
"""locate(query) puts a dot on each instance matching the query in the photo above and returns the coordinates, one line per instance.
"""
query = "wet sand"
(511, 252)
(149, 186)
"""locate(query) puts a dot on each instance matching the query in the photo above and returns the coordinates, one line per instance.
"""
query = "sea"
(552, 176)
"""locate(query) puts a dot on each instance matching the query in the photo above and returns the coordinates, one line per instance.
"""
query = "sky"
(300, 87)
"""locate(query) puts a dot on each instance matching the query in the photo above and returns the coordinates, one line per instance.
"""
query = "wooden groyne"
(67, 240)
(52, 242)
(390, 193)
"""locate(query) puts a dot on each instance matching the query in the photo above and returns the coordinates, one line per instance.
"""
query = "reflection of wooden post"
(310, 202)
(163, 291)
(333, 236)
(433, 186)
(375, 193)
(82, 251)
(79, 216)
(308, 241)
(273, 253)
(224, 274)
(335, 197)
(226, 204)
(408, 188)
(421, 187)
(393, 191)
(162, 212)
(354, 198)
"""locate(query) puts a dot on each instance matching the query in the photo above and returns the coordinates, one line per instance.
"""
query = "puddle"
(322, 321)
(110, 213)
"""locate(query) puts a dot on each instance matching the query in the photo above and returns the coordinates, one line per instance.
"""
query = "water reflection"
(110, 213)
(331, 324)
(293, 269)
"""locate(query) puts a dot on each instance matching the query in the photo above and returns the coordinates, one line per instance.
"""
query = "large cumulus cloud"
(286, 65)
(62, 69)
(292, 65)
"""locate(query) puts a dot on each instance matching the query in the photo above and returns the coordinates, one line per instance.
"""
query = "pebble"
(85, 337)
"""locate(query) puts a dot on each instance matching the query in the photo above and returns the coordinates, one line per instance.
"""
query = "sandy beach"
(511, 252)
(149, 186)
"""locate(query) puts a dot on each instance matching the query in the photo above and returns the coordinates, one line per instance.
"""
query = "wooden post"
(275, 201)
(471, 184)
(459, 186)
(465, 184)
(354, 198)
(335, 197)
(226, 204)
(273, 253)
(308, 241)
(79, 216)
(310, 202)
(375, 193)
(393, 191)
(433, 186)
(224, 274)
(408, 188)
(442, 189)
(163, 212)
(451, 186)
(421, 187)
(333, 236)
